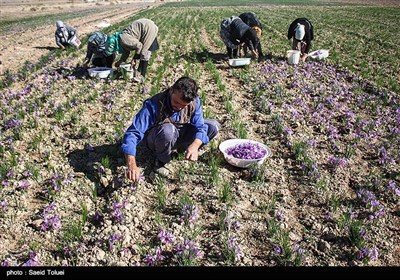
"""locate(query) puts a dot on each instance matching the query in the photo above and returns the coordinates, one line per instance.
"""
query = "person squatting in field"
(63, 34)
(170, 120)
(234, 33)
(141, 37)
(96, 51)
(302, 32)
(251, 19)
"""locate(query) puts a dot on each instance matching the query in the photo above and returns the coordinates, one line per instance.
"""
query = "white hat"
(299, 32)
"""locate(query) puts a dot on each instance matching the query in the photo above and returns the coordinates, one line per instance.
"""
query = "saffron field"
(328, 195)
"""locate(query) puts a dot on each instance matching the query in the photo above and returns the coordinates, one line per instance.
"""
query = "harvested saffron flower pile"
(246, 151)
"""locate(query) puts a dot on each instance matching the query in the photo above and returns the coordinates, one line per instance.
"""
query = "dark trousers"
(106, 61)
(154, 46)
(167, 137)
(299, 46)
(232, 53)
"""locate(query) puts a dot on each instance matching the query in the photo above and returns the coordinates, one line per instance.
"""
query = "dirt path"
(31, 44)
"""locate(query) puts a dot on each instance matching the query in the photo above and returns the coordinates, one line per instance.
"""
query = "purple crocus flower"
(246, 151)
(112, 239)
(189, 213)
(392, 186)
(166, 237)
(279, 215)
(234, 247)
(146, 90)
(152, 260)
(23, 185)
(33, 260)
(277, 250)
(188, 250)
(89, 147)
(26, 174)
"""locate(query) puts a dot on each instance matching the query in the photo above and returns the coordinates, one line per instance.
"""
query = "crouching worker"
(96, 51)
(234, 33)
(302, 32)
(141, 37)
(170, 120)
(252, 20)
(63, 34)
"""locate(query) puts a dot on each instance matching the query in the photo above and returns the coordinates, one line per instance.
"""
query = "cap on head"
(299, 32)
(59, 23)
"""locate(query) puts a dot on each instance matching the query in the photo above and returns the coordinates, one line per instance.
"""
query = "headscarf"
(97, 42)
(97, 38)
(59, 24)
(62, 31)
(299, 32)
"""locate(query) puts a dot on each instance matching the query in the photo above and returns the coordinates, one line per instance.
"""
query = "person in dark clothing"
(63, 34)
(172, 119)
(95, 51)
(234, 33)
(252, 20)
(302, 32)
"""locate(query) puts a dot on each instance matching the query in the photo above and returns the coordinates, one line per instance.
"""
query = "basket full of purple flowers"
(244, 152)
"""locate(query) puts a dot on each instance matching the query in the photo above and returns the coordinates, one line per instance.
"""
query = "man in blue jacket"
(172, 119)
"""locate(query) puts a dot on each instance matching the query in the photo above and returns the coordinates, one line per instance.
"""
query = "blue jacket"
(148, 117)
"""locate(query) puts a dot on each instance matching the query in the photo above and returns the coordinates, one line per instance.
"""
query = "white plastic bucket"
(127, 72)
(293, 56)
(319, 54)
(100, 72)
(74, 41)
(235, 62)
